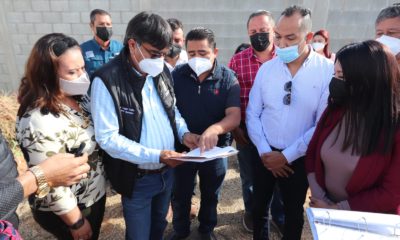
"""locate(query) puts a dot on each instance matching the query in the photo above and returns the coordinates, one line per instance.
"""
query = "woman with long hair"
(320, 44)
(54, 118)
(353, 159)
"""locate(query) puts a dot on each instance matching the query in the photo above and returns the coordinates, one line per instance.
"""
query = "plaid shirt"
(246, 64)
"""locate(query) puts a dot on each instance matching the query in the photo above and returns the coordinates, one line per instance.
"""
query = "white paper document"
(216, 152)
(328, 224)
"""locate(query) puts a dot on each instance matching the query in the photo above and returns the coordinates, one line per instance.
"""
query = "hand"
(284, 171)
(208, 139)
(65, 169)
(273, 160)
(165, 156)
(240, 136)
(83, 233)
(191, 140)
(318, 203)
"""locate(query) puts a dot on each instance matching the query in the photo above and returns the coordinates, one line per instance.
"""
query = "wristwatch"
(78, 224)
(43, 186)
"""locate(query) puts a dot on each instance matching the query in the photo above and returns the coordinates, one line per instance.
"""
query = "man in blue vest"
(101, 48)
(138, 125)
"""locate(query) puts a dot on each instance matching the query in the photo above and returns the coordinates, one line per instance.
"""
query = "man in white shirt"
(177, 55)
(287, 99)
(387, 29)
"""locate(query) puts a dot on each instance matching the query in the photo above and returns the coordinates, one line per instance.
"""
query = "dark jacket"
(125, 87)
(11, 191)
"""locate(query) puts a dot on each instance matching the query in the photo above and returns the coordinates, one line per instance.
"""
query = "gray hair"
(95, 12)
(261, 12)
(306, 24)
(388, 12)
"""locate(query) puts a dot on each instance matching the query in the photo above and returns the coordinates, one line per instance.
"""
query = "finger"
(288, 169)
(82, 159)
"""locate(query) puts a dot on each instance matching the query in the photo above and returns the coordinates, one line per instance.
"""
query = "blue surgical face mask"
(288, 54)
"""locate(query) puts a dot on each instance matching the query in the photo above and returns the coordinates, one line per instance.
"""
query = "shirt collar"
(251, 54)
(98, 45)
(215, 74)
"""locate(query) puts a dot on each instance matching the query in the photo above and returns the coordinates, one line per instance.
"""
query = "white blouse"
(43, 135)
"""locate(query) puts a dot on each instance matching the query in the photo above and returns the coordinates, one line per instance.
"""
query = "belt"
(141, 172)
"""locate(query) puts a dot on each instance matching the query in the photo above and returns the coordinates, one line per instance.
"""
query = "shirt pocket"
(93, 63)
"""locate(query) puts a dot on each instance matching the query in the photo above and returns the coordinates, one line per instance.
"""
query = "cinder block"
(62, 28)
(59, 5)
(101, 4)
(17, 49)
(12, 28)
(41, 5)
(116, 17)
(8, 5)
(52, 17)
(22, 5)
(70, 17)
(43, 28)
(33, 17)
(127, 16)
(33, 38)
(80, 28)
(79, 5)
(19, 38)
(26, 49)
(85, 17)
(119, 29)
(15, 17)
(120, 5)
(25, 28)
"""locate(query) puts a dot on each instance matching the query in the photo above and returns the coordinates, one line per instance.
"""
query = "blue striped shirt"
(156, 134)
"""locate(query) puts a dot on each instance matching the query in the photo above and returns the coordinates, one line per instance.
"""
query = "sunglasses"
(288, 97)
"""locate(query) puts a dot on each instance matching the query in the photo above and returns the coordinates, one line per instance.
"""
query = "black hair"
(175, 24)
(201, 33)
(95, 12)
(149, 28)
(242, 47)
(306, 24)
(372, 109)
(261, 13)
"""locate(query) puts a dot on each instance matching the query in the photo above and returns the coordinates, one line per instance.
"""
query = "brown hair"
(40, 86)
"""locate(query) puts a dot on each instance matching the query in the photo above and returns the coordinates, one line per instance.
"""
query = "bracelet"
(78, 224)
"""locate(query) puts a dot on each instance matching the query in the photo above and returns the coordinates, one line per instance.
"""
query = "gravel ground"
(230, 210)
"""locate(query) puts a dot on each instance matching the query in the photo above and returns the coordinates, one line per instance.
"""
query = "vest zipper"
(199, 90)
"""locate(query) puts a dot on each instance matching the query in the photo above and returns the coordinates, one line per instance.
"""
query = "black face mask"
(174, 51)
(104, 33)
(260, 41)
(338, 92)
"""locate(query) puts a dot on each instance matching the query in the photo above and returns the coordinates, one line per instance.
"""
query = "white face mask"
(77, 86)
(151, 66)
(200, 65)
(317, 46)
(391, 42)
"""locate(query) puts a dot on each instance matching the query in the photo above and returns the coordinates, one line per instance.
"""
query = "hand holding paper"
(216, 152)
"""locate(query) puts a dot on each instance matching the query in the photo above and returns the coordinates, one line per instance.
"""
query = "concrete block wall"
(22, 22)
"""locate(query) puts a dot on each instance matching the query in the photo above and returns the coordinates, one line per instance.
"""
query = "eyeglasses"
(288, 97)
(154, 53)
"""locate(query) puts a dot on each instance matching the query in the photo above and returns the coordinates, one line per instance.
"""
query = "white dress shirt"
(156, 134)
(183, 58)
(289, 127)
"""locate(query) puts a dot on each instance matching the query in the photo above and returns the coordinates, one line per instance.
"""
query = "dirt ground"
(230, 210)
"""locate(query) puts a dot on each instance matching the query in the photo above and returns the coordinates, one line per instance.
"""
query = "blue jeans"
(247, 157)
(145, 211)
(211, 175)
